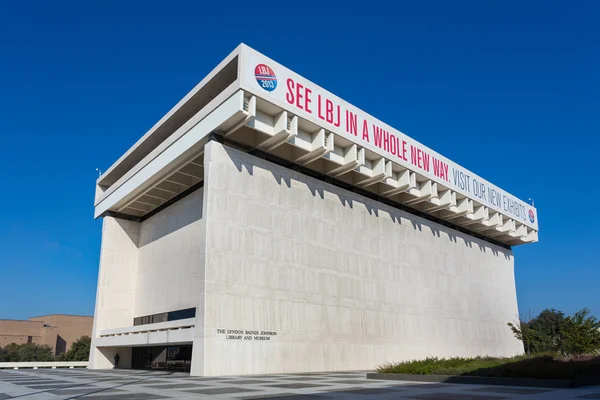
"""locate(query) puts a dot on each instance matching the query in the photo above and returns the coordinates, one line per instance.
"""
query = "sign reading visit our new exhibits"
(270, 80)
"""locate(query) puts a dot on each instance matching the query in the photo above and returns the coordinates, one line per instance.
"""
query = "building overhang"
(162, 333)
(256, 105)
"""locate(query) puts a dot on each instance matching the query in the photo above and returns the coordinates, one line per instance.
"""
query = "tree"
(551, 331)
(547, 324)
(533, 341)
(4, 354)
(79, 351)
(26, 352)
(580, 334)
(35, 352)
(541, 333)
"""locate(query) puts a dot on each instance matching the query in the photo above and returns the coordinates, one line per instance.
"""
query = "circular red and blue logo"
(265, 77)
(531, 216)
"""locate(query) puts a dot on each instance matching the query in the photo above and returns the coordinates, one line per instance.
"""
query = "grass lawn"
(536, 366)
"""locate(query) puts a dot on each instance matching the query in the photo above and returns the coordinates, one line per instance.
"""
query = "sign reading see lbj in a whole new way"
(349, 121)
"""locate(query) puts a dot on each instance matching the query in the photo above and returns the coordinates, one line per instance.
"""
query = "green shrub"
(26, 352)
(79, 351)
(541, 333)
(543, 366)
(544, 338)
(552, 331)
(433, 365)
(580, 334)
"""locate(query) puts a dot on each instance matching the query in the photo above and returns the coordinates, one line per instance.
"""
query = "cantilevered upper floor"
(255, 104)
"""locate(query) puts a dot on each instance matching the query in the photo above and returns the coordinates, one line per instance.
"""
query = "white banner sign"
(267, 79)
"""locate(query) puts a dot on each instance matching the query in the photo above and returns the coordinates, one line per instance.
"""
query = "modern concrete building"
(264, 225)
(58, 331)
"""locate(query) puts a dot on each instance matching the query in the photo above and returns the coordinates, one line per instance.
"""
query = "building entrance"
(168, 358)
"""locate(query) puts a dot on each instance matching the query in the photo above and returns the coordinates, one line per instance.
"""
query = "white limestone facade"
(345, 282)
(311, 276)
(146, 268)
(248, 238)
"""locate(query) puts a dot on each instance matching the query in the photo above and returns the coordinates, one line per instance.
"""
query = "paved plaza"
(148, 385)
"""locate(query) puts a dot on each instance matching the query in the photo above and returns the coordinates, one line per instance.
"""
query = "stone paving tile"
(156, 381)
(46, 382)
(116, 379)
(427, 386)
(454, 396)
(247, 382)
(298, 385)
(52, 370)
(303, 378)
(200, 378)
(351, 382)
(508, 390)
(80, 390)
(176, 386)
(22, 381)
(122, 396)
(32, 381)
(52, 386)
(286, 396)
(224, 390)
(365, 391)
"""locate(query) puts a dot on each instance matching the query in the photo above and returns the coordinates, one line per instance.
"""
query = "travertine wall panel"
(170, 269)
(344, 281)
(116, 282)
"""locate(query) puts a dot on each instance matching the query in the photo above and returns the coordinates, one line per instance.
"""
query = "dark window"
(29, 339)
(182, 314)
(164, 317)
(160, 318)
(174, 358)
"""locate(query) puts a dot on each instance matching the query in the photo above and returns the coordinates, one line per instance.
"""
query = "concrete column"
(198, 351)
(115, 292)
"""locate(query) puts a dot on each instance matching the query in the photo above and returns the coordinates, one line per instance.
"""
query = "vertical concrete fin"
(353, 157)
(318, 147)
(398, 182)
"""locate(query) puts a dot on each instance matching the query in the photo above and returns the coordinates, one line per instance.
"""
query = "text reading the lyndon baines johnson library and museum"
(282, 86)
(245, 334)
(327, 110)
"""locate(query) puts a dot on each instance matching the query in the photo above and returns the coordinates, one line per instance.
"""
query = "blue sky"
(509, 90)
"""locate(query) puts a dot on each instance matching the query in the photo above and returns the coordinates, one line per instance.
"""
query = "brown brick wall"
(65, 329)
(12, 331)
(57, 331)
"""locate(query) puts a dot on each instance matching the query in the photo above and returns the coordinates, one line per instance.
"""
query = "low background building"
(58, 331)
